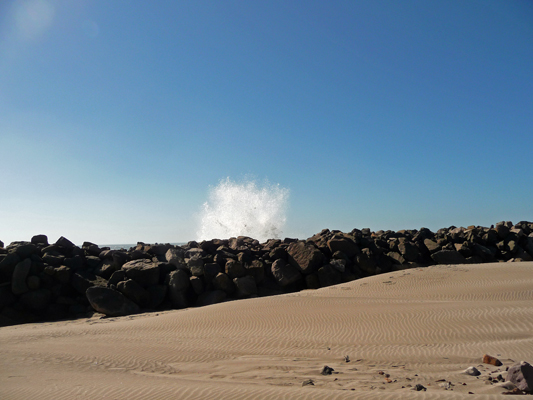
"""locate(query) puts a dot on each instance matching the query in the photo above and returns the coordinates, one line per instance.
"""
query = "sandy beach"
(418, 326)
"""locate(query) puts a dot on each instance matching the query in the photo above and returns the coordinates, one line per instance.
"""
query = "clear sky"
(116, 117)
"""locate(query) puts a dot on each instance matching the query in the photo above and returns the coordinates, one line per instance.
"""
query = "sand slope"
(418, 326)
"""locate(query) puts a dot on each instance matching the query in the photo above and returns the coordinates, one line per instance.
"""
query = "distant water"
(244, 209)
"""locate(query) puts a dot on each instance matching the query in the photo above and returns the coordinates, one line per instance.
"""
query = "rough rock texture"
(110, 302)
(41, 281)
(522, 376)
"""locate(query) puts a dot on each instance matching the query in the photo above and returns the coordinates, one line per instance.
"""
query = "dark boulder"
(110, 302)
(197, 284)
(8, 263)
(135, 292)
(40, 239)
(213, 297)
(196, 265)
(328, 276)
(82, 280)
(18, 281)
(142, 271)
(117, 277)
(36, 300)
(346, 245)
(235, 269)
(64, 243)
(408, 250)
(224, 282)
(432, 246)
(367, 262)
(23, 249)
(246, 286)
(256, 269)
(448, 257)
(284, 273)
(305, 257)
(157, 295)
(211, 270)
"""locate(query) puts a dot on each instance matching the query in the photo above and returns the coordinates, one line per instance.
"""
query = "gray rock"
(432, 246)
(305, 257)
(18, 281)
(63, 274)
(367, 262)
(82, 280)
(110, 302)
(473, 371)
(522, 376)
(327, 370)
(142, 271)
(408, 250)
(117, 277)
(448, 257)
(179, 280)
(284, 273)
(196, 265)
(175, 257)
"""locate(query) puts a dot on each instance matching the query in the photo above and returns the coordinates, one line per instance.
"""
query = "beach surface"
(382, 335)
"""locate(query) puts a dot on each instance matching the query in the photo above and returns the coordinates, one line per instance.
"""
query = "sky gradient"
(116, 117)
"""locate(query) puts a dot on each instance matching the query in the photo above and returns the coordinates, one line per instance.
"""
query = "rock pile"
(42, 281)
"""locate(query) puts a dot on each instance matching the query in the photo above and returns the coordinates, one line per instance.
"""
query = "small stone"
(327, 370)
(473, 371)
(419, 387)
(308, 382)
(491, 360)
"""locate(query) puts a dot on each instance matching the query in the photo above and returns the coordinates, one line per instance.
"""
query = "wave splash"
(243, 209)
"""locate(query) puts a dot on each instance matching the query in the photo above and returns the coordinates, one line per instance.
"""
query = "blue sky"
(116, 117)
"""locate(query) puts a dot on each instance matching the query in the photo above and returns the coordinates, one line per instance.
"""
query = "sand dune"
(418, 326)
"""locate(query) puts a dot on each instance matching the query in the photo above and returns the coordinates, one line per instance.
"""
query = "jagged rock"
(246, 286)
(110, 302)
(135, 292)
(18, 281)
(431, 245)
(64, 243)
(284, 273)
(409, 251)
(522, 376)
(142, 271)
(179, 280)
(305, 257)
(367, 262)
(120, 258)
(117, 277)
(23, 249)
(448, 257)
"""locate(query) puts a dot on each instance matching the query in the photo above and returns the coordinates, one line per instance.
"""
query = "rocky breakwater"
(41, 281)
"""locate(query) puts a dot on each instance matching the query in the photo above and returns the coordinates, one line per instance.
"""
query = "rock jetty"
(40, 281)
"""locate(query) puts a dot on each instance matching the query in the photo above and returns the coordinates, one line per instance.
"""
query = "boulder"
(117, 277)
(328, 276)
(8, 263)
(367, 262)
(63, 274)
(284, 273)
(40, 239)
(142, 271)
(196, 265)
(246, 286)
(110, 302)
(18, 281)
(346, 245)
(491, 360)
(197, 284)
(179, 280)
(174, 256)
(306, 258)
(64, 243)
(211, 270)
(408, 250)
(448, 257)
(256, 269)
(522, 376)
(135, 292)
(82, 280)
(213, 297)
(157, 295)
(23, 249)
(234, 269)
(223, 282)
